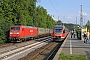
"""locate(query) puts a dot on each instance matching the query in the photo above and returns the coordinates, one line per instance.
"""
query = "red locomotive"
(59, 32)
(22, 33)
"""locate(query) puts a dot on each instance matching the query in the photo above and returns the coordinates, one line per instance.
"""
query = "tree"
(43, 18)
(59, 22)
(88, 25)
(16, 12)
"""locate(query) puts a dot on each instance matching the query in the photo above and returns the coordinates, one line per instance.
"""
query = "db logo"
(31, 30)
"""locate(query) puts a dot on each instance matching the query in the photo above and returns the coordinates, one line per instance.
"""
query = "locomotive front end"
(14, 33)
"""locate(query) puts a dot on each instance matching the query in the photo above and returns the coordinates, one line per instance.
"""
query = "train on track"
(23, 33)
(59, 32)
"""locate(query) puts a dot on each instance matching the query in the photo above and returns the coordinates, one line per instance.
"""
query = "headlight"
(10, 32)
(17, 33)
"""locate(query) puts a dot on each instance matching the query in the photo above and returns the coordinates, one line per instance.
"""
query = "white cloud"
(84, 13)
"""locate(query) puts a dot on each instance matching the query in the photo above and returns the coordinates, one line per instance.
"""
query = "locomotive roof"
(28, 26)
(58, 25)
(24, 26)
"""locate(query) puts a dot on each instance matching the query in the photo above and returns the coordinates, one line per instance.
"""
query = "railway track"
(40, 53)
(34, 57)
(12, 46)
(24, 50)
(40, 49)
(46, 52)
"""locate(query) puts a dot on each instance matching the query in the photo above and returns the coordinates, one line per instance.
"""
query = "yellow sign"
(84, 29)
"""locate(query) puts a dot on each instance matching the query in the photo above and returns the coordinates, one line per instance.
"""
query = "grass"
(72, 57)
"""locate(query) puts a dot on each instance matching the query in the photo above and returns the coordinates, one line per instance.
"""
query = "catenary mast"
(81, 18)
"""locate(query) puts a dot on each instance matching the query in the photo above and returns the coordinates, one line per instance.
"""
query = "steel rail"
(40, 52)
(20, 49)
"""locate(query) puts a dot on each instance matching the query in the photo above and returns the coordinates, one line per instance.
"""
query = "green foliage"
(2, 41)
(69, 26)
(43, 19)
(59, 22)
(24, 12)
(88, 25)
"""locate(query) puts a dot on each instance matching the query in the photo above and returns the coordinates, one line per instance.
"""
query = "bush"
(2, 41)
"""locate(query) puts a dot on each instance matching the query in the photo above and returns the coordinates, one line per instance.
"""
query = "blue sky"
(67, 10)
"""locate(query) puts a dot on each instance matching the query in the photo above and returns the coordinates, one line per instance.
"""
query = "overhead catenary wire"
(57, 5)
(54, 7)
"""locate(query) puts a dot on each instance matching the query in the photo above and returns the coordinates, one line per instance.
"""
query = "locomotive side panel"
(29, 32)
(19, 33)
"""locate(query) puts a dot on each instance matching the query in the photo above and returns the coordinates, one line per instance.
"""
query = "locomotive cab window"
(15, 28)
(58, 30)
(18, 28)
(12, 28)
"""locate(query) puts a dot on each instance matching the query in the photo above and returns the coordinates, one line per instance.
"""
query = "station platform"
(73, 46)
